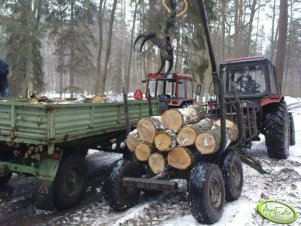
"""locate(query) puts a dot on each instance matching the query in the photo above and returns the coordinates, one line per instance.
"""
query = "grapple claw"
(170, 66)
(163, 63)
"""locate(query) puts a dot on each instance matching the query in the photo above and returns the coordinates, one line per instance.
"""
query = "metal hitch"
(150, 184)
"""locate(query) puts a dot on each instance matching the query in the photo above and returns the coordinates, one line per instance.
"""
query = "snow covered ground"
(169, 209)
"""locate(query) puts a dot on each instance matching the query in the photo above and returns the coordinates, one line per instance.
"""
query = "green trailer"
(50, 141)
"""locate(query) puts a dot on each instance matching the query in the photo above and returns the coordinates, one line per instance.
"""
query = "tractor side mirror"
(143, 81)
(198, 90)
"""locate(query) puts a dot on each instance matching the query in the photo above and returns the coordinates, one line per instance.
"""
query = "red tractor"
(172, 90)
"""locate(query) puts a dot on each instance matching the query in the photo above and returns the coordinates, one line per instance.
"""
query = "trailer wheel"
(5, 179)
(70, 182)
(292, 129)
(115, 194)
(233, 176)
(206, 193)
(276, 123)
(5, 156)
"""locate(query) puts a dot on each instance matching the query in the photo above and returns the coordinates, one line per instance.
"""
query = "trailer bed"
(50, 124)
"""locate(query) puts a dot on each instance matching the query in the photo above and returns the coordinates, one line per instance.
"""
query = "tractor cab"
(249, 78)
(172, 90)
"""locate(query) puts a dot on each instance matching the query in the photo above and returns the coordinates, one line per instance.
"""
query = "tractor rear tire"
(206, 193)
(70, 182)
(233, 176)
(292, 129)
(116, 195)
(276, 130)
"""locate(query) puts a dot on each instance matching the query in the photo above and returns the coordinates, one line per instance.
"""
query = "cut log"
(143, 151)
(98, 99)
(232, 130)
(208, 142)
(181, 158)
(132, 140)
(165, 140)
(187, 135)
(156, 163)
(174, 119)
(147, 128)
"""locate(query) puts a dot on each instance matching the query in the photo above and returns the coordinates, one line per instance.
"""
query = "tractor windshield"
(247, 80)
(162, 88)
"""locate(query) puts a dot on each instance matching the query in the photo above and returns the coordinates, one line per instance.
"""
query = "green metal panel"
(54, 123)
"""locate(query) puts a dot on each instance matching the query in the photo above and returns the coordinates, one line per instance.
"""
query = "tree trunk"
(109, 46)
(281, 45)
(232, 130)
(165, 140)
(181, 158)
(252, 15)
(174, 119)
(143, 151)
(188, 134)
(148, 127)
(128, 75)
(156, 163)
(101, 11)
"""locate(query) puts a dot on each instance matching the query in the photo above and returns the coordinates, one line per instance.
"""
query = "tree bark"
(109, 46)
(128, 75)
(174, 119)
(101, 11)
(281, 45)
(188, 134)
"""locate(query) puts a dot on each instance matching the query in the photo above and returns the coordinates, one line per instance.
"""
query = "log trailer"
(248, 103)
(50, 141)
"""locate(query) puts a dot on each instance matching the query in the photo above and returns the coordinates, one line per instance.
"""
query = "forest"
(85, 47)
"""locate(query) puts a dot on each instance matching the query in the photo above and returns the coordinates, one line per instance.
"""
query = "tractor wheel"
(70, 182)
(276, 123)
(206, 193)
(292, 129)
(233, 176)
(116, 195)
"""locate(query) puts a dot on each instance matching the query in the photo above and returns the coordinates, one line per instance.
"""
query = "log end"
(206, 143)
(162, 141)
(143, 151)
(179, 158)
(172, 119)
(146, 130)
(186, 136)
(156, 163)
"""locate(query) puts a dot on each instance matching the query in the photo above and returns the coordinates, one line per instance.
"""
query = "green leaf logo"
(277, 212)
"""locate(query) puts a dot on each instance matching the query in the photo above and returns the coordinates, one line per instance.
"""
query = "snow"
(170, 208)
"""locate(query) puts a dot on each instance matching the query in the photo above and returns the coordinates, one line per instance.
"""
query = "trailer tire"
(233, 176)
(5, 179)
(292, 129)
(70, 182)
(276, 130)
(206, 193)
(115, 194)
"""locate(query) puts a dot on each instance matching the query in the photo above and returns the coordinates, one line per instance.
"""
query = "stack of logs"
(177, 138)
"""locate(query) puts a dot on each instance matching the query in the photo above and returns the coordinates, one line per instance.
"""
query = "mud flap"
(46, 176)
(44, 195)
